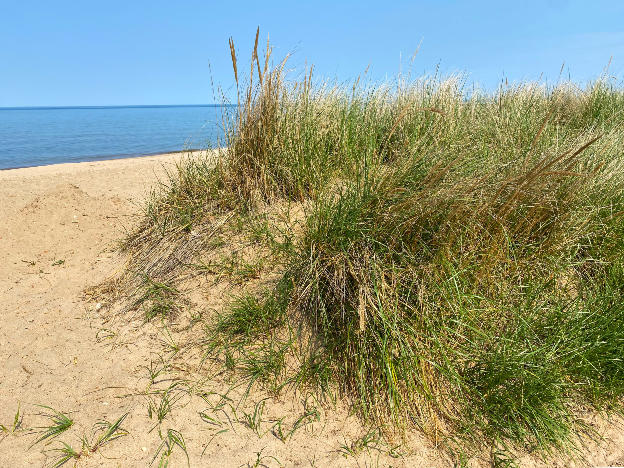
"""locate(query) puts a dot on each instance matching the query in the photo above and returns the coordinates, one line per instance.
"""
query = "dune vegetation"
(445, 259)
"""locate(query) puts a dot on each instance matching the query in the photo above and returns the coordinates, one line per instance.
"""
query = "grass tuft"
(59, 423)
(104, 432)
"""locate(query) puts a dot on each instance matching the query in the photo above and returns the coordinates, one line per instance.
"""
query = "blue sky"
(157, 52)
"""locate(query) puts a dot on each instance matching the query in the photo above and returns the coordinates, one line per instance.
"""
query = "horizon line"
(116, 106)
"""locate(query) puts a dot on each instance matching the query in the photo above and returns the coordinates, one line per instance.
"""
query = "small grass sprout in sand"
(106, 432)
(103, 433)
(59, 423)
(65, 453)
(372, 440)
(172, 439)
(166, 400)
(262, 460)
(16, 425)
(253, 420)
(310, 415)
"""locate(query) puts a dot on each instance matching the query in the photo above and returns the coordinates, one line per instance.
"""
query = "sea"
(36, 136)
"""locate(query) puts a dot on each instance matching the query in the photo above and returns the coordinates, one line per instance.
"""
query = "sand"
(58, 228)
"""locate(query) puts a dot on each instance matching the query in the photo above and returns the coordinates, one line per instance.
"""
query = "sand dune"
(57, 232)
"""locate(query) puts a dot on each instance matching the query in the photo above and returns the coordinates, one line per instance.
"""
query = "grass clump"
(466, 293)
(104, 432)
(59, 423)
(460, 260)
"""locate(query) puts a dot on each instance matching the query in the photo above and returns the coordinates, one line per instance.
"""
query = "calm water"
(38, 136)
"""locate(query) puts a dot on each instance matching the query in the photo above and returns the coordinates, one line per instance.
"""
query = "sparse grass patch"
(253, 420)
(172, 439)
(262, 460)
(65, 453)
(372, 440)
(309, 416)
(162, 402)
(103, 433)
(157, 298)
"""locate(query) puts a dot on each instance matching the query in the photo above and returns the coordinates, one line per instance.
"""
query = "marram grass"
(460, 268)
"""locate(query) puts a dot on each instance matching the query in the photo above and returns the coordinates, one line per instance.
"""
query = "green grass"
(65, 453)
(457, 264)
(263, 460)
(103, 433)
(106, 432)
(310, 415)
(157, 298)
(164, 402)
(59, 423)
(16, 426)
(172, 439)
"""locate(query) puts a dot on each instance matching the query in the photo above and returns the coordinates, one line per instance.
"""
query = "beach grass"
(454, 263)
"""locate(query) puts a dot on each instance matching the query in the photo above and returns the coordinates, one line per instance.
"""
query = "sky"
(135, 52)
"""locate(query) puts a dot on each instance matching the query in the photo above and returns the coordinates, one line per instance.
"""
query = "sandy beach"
(58, 230)
(58, 225)
(57, 237)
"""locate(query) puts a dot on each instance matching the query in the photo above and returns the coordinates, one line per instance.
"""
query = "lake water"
(40, 136)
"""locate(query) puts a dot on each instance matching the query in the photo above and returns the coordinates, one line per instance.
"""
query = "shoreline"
(120, 157)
